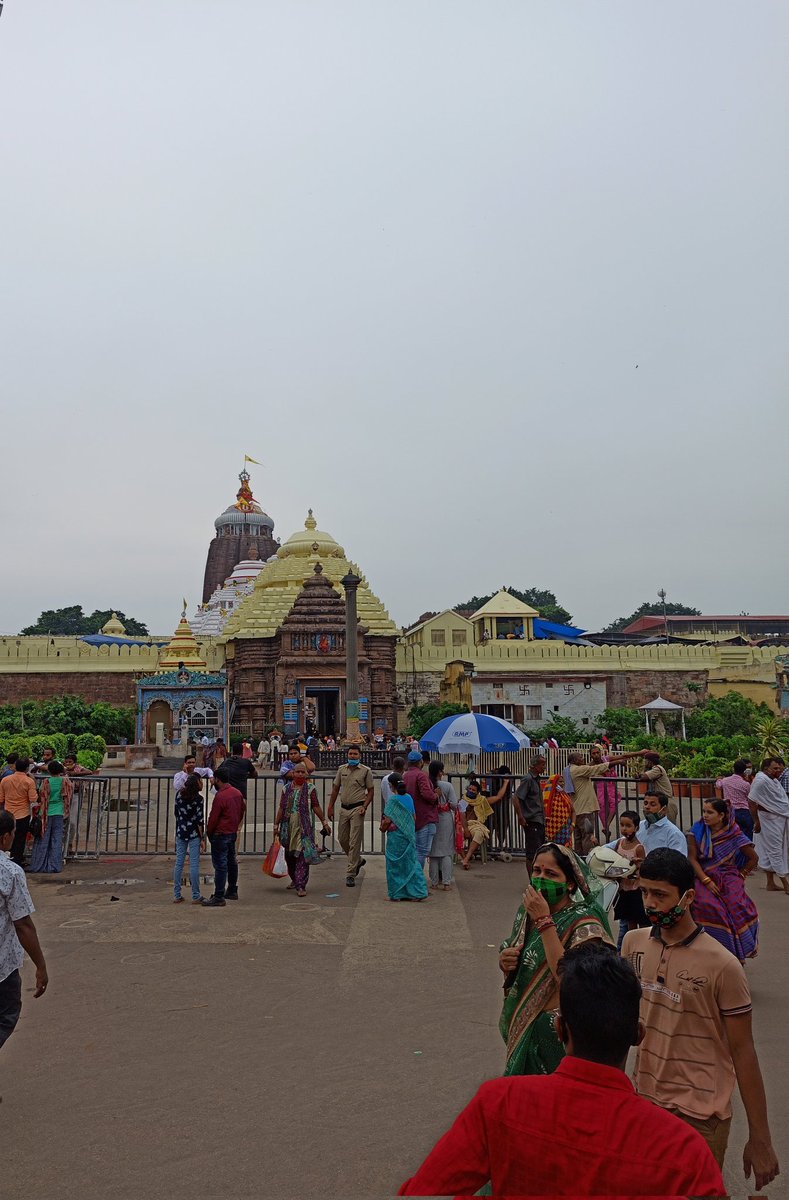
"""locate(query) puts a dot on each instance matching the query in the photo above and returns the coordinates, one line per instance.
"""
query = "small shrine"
(183, 701)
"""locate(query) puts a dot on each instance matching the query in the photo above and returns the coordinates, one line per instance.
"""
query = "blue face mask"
(353, 762)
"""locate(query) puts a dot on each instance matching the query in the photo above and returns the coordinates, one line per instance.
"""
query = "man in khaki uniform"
(586, 805)
(354, 784)
(659, 783)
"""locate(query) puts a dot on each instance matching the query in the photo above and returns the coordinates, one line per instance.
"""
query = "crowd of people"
(575, 1001)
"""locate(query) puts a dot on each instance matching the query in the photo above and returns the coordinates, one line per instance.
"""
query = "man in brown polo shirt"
(355, 786)
(586, 804)
(696, 1006)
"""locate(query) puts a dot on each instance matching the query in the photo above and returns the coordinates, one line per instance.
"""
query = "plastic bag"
(274, 863)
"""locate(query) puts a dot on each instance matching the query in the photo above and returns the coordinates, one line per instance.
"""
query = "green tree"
(69, 715)
(620, 724)
(651, 610)
(73, 622)
(726, 716)
(544, 601)
(564, 729)
(422, 716)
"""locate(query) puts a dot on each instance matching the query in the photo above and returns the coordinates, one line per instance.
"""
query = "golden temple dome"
(114, 627)
(278, 585)
(310, 543)
(181, 650)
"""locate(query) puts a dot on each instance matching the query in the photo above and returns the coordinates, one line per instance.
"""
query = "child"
(629, 907)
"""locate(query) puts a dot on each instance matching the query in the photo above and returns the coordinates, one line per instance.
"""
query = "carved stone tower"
(242, 525)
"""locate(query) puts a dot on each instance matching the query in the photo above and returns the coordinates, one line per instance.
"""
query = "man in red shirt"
(582, 1131)
(224, 822)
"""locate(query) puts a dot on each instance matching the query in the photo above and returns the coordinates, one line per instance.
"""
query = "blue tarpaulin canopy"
(104, 639)
(560, 633)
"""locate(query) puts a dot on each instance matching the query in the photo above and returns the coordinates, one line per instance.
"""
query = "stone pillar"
(351, 584)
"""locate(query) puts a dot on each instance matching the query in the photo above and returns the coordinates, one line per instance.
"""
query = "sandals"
(300, 892)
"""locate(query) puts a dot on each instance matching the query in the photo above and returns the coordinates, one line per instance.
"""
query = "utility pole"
(662, 599)
(351, 584)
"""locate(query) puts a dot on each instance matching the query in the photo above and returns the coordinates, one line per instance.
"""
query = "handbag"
(36, 827)
(274, 863)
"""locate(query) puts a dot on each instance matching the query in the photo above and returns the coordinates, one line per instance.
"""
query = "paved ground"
(278, 1047)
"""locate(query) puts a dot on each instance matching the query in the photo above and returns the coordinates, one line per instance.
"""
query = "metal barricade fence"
(128, 815)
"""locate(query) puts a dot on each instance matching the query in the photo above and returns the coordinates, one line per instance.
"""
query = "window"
(201, 713)
(498, 710)
(533, 712)
(547, 685)
(438, 637)
(458, 637)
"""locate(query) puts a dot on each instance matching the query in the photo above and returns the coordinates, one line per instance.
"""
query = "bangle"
(544, 923)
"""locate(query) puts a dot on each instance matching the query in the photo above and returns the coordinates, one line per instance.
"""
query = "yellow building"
(448, 657)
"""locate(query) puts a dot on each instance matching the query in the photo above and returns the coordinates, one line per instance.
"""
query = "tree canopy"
(544, 601)
(69, 715)
(73, 622)
(651, 610)
(422, 716)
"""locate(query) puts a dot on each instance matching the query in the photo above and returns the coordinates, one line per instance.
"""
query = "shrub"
(58, 742)
(90, 759)
(19, 744)
(565, 730)
(90, 741)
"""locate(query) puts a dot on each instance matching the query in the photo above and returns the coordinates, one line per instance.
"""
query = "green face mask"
(651, 817)
(552, 890)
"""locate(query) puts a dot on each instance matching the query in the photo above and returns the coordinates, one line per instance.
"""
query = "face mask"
(666, 919)
(551, 889)
(353, 762)
(652, 817)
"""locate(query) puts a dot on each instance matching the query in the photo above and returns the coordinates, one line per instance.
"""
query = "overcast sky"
(498, 288)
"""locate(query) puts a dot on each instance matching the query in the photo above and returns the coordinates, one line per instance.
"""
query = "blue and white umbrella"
(469, 733)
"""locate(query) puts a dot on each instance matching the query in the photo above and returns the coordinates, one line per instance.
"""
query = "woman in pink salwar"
(607, 794)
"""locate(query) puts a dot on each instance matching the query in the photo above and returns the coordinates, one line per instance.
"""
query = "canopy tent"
(659, 705)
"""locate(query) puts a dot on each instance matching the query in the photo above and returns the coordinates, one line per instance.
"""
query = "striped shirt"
(735, 789)
(684, 1062)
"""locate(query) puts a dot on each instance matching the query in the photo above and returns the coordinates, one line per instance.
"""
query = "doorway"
(321, 710)
(160, 713)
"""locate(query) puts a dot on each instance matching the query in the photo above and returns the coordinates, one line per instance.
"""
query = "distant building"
(743, 629)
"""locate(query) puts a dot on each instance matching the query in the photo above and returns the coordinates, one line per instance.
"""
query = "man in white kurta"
(769, 805)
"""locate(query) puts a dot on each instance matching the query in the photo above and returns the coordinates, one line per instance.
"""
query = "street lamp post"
(662, 599)
(351, 584)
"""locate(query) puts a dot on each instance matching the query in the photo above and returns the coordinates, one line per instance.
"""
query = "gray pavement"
(278, 1047)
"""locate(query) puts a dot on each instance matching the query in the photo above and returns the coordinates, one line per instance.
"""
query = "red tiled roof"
(645, 623)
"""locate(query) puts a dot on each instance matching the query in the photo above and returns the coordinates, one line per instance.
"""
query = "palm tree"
(773, 735)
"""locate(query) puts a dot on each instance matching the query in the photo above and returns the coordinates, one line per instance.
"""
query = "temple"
(285, 643)
(267, 647)
(211, 617)
(239, 528)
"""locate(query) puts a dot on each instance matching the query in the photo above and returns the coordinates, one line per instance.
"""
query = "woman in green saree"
(559, 910)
